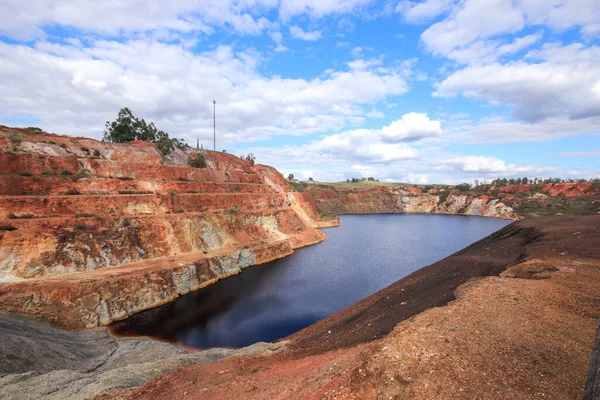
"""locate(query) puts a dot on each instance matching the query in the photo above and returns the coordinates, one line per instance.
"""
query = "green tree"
(310, 179)
(290, 177)
(128, 128)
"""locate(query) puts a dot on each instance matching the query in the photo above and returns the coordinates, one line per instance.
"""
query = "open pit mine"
(92, 233)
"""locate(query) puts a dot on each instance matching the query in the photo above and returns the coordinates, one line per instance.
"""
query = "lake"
(270, 301)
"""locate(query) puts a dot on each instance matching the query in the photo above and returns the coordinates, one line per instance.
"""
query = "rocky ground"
(38, 361)
(525, 334)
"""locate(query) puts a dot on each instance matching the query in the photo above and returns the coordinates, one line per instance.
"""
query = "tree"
(250, 157)
(128, 128)
(310, 179)
(290, 177)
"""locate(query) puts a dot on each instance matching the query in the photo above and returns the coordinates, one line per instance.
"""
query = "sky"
(434, 91)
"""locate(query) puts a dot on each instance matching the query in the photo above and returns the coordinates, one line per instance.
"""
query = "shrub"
(125, 178)
(72, 192)
(15, 139)
(96, 153)
(85, 149)
(463, 187)
(25, 174)
(250, 157)
(80, 227)
(48, 172)
(64, 146)
(34, 129)
(65, 172)
(197, 161)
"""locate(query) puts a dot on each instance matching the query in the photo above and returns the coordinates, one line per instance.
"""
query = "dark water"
(267, 302)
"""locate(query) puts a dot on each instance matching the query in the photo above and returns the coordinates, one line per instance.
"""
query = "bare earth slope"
(93, 232)
(525, 334)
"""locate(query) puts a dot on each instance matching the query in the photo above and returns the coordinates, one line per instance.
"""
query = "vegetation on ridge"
(128, 128)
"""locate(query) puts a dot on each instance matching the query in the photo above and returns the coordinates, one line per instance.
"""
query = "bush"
(125, 178)
(250, 157)
(34, 129)
(96, 153)
(64, 146)
(197, 161)
(85, 149)
(80, 227)
(66, 172)
(48, 172)
(72, 192)
(25, 174)
(463, 187)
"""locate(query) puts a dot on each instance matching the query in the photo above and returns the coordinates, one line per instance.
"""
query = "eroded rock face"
(93, 232)
(400, 199)
(508, 202)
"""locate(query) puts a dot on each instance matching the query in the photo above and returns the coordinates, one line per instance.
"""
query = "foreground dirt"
(39, 361)
(525, 334)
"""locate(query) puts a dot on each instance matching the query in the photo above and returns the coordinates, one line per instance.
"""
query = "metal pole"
(214, 125)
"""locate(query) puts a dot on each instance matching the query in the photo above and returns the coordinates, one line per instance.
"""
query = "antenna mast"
(214, 125)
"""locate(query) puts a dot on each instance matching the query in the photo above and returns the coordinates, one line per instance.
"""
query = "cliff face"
(509, 202)
(93, 232)
(407, 199)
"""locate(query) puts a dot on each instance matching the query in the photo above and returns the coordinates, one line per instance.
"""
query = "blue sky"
(435, 91)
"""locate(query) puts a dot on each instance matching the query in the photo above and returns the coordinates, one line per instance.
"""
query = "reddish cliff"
(509, 202)
(93, 232)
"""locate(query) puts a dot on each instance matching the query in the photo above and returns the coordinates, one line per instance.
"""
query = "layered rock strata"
(508, 202)
(93, 232)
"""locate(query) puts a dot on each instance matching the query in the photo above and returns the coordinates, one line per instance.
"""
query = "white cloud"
(411, 127)
(593, 153)
(278, 39)
(501, 130)
(299, 33)
(536, 91)
(364, 64)
(470, 21)
(79, 88)
(27, 19)
(487, 51)
(416, 12)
